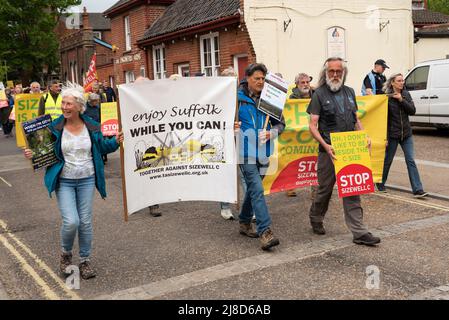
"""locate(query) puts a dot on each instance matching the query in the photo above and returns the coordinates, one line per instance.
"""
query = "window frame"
(162, 64)
(127, 26)
(215, 68)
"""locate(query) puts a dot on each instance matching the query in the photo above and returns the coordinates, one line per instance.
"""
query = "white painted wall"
(303, 47)
(431, 49)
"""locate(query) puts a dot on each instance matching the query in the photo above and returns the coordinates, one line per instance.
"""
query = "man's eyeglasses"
(335, 72)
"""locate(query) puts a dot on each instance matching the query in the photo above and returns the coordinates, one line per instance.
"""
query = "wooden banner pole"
(122, 163)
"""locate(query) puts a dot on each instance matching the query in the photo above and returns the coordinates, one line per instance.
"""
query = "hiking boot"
(291, 193)
(247, 229)
(154, 211)
(227, 214)
(65, 262)
(367, 239)
(381, 188)
(268, 240)
(420, 194)
(318, 228)
(86, 270)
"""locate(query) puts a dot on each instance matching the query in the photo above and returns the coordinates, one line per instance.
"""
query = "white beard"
(334, 87)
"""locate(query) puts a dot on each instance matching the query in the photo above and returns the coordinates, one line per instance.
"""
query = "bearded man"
(334, 109)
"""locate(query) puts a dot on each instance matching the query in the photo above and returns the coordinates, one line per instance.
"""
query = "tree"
(439, 5)
(28, 38)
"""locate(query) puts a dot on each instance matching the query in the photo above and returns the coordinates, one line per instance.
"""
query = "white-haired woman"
(399, 132)
(79, 147)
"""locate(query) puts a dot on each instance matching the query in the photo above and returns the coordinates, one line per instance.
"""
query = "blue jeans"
(226, 205)
(407, 147)
(254, 200)
(75, 198)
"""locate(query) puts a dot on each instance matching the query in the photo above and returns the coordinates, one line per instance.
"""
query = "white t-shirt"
(77, 152)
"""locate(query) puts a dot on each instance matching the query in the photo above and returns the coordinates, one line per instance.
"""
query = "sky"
(95, 5)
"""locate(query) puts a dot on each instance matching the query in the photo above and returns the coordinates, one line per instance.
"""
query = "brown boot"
(64, 262)
(86, 270)
(247, 229)
(268, 240)
(291, 193)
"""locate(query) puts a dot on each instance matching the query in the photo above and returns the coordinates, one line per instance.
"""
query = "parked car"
(428, 84)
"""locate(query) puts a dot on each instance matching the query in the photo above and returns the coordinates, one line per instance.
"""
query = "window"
(142, 71)
(210, 55)
(160, 68)
(97, 34)
(417, 80)
(127, 34)
(129, 77)
(184, 70)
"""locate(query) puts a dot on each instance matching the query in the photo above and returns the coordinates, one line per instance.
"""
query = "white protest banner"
(273, 96)
(179, 141)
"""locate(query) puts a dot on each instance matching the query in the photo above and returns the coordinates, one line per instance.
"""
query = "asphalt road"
(192, 253)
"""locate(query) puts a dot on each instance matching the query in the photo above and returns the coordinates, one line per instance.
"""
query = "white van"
(428, 84)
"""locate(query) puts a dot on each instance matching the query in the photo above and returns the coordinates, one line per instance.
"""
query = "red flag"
(91, 76)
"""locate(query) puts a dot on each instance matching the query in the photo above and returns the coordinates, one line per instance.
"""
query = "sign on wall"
(336, 42)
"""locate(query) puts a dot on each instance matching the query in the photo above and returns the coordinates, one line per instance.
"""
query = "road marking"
(6, 182)
(427, 163)
(417, 202)
(48, 292)
(39, 262)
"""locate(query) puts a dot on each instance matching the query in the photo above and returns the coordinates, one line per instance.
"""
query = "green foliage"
(28, 38)
(439, 5)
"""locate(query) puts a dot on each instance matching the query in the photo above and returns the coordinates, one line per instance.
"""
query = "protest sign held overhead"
(353, 163)
(273, 97)
(91, 75)
(179, 141)
(109, 119)
(40, 141)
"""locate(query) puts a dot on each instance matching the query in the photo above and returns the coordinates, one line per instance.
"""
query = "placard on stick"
(353, 164)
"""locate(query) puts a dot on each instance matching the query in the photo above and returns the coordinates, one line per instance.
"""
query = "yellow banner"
(109, 119)
(294, 162)
(353, 163)
(26, 107)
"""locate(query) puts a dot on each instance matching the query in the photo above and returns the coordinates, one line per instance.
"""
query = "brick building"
(129, 20)
(78, 40)
(159, 38)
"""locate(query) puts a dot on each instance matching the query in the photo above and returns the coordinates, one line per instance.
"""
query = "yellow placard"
(26, 107)
(350, 148)
(296, 143)
(3, 95)
(353, 163)
(109, 118)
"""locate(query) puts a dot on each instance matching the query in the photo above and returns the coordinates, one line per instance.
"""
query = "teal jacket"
(100, 146)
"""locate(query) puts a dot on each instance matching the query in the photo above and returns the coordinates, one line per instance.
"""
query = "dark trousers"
(351, 205)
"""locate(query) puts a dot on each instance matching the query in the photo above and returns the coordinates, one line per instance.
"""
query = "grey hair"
(323, 73)
(388, 87)
(77, 92)
(93, 96)
(301, 76)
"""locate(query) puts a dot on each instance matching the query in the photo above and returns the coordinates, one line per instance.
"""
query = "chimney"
(85, 19)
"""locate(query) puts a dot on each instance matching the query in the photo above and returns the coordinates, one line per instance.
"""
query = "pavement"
(192, 253)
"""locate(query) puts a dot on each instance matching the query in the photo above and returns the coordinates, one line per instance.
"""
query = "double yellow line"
(7, 239)
(417, 202)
